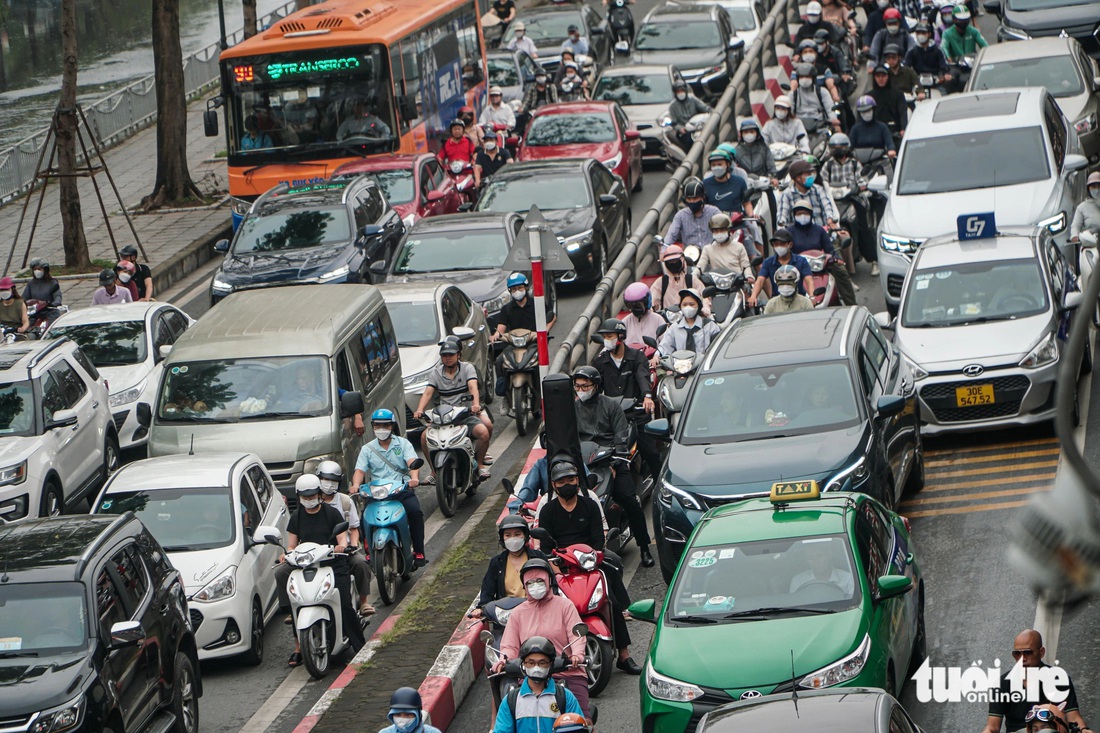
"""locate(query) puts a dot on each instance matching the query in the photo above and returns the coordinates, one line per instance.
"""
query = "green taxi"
(798, 590)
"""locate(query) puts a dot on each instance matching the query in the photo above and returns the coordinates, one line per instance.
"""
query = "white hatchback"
(203, 510)
(124, 342)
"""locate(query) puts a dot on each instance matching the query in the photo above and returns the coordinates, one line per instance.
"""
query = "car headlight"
(126, 396)
(1045, 352)
(1017, 33)
(664, 121)
(223, 586)
(418, 381)
(495, 304)
(668, 491)
(838, 672)
(856, 473)
(221, 285)
(240, 206)
(64, 717)
(915, 369)
(13, 474)
(1056, 223)
(903, 245)
(1085, 124)
(665, 395)
(338, 274)
(610, 163)
(574, 243)
(666, 688)
(702, 71)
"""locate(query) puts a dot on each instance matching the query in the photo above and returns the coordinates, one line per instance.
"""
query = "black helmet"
(406, 698)
(613, 325)
(822, 34)
(513, 521)
(923, 27)
(450, 345)
(590, 373)
(128, 251)
(456, 121)
(693, 188)
(537, 645)
(563, 466)
(535, 564)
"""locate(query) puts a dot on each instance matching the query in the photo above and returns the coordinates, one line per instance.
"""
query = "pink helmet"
(635, 292)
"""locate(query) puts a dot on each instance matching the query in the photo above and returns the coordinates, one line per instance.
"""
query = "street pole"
(535, 234)
(221, 23)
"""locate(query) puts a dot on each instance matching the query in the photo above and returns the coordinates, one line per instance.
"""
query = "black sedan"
(819, 711)
(548, 27)
(837, 408)
(583, 201)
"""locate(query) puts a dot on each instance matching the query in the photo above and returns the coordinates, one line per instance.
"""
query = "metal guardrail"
(118, 116)
(637, 255)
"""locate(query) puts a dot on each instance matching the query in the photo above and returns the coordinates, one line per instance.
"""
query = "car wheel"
(601, 266)
(254, 657)
(185, 696)
(53, 500)
(489, 388)
(915, 481)
(920, 641)
(637, 183)
(112, 459)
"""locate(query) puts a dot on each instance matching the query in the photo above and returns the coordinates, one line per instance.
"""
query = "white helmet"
(307, 485)
(329, 473)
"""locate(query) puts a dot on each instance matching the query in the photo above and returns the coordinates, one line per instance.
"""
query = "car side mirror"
(62, 419)
(144, 414)
(126, 633)
(370, 230)
(889, 405)
(884, 321)
(878, 184)
(597, 31)
(378, 267)
(1075, 162)
(607, 199)
(633, 135)
(892, 586)
(222, 245)
(466, 206)
(267, 535)
(736, 43)
(463, 332)
(643, 610)
(351, 404)
(1072, 300)
(992, 6)
(210, 123)
(163, 351)
(434, 196)
(657, 428)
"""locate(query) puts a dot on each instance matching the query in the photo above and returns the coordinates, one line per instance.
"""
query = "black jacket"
(603, 421)
(629, 379)
(492, 585)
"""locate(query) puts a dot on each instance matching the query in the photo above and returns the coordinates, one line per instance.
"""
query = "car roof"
(327, 193)
(550, 165)
(819, 333)
(1015, 243)
(573, 108)
(1032, 49)
(23, 354)
(637, 70)
(380, 163)
(454, 222)
(412, 292)
(46, 550)
(553, 8)
(678, 11)
(108, 313)
(180, 471)
(831, 711)
(759, 519)
(993, 109)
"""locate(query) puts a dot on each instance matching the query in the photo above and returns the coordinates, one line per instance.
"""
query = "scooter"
(825, 293)
(675, 373)
(41, 314)
(621, 22)
(390, 540)
(727, 297)
(1088, 258)
(674, 153)
(462, 173)
(451, 451)
(600, 460)
(497, 613)
(511, 676)
(960, 73)
(521, 363)
(314, 599)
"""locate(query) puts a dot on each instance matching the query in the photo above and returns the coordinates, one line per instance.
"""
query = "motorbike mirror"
(597, 339)
(992, 6)
(339, 529)
(593, 480)
(649, 341)
(542, 535)
(661, 329)
(508, 485)
(416, 464)
(486, 637)
(710, 291)
(613, 535)
(756, 261)
(580, 629)
(819, 291)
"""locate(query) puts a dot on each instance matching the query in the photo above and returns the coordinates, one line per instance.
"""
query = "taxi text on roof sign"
(785, 491)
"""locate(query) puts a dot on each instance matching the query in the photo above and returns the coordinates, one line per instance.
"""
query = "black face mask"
(638, 309)
(695, 206)
(568, 491)
(675, 266)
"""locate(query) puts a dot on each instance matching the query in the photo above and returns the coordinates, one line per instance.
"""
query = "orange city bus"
(342, 80)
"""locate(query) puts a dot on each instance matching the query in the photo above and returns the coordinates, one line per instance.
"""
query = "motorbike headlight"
(381, 491)
(519, 341)
(240, 206)
(915, 369)
(664, 121)
(416, 382)
(666, 688)
(668, 491)
(457, 166)
(62, 718)
(1045, 352)
(13, 474)
(223, 586)
(610, 163)
(126, 396)
(841, 671)
(817, 264)
(683, 366)
(338, 274)
(902, 245)
(1056, 223)
(855, 473)
(221, 285)
(586, 559)
(1085, 124)
(574, 243)
(723, 283)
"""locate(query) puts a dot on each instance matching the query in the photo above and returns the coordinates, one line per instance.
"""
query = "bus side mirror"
(406, 107)
(210, 122)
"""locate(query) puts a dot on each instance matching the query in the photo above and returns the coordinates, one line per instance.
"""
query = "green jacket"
(956, 45)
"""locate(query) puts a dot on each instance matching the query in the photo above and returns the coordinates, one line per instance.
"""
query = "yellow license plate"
(974, 395)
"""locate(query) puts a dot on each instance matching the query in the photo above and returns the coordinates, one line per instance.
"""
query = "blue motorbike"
(390, 539)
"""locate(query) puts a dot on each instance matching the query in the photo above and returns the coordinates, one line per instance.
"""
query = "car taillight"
(908, 527)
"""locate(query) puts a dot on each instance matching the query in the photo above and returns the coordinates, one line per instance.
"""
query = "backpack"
(664, 285)
(559, 699)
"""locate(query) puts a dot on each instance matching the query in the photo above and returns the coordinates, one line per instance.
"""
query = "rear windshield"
(973, 160)
(1058, 74)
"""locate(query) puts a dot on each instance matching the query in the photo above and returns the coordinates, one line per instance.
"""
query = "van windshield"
(235, 390)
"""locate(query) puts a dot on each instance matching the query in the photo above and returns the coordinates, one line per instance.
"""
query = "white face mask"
(786, 291)
(893, 28)
(540, 79)
(329, 487)
(718, 170)
(585, 395)
(721, 237)
(809, 58)
(383, 434)
(781, 114)
(867, 115)
(536, 672)
(749, 137)
(782, 251)
(536, 589)
(884, 4)
(922, 38)
(1094, 191)
(39, 274)
(805, 82)
(5, 294)
(610, 344)
(681, 96)
(404, 722)
(519, 294)
(803, 219)
(309, 503)
(689, 311)
(490, 145)
(124, 277)
(513, 544)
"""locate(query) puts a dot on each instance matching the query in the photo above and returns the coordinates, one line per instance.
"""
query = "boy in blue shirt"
(540, 700)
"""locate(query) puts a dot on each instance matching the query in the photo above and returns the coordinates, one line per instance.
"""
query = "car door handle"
(481, 327)
(95, 405)
(165, 608)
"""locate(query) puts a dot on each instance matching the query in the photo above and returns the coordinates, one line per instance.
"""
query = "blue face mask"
(809, 181)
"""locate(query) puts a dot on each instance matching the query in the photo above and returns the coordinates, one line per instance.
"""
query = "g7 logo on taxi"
(975, 225)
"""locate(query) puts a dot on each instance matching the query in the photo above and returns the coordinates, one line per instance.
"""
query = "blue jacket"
(810, 236)
(422, 728)
(533, 714)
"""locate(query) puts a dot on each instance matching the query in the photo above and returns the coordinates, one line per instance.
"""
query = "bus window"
(406, 75)
(469, 49)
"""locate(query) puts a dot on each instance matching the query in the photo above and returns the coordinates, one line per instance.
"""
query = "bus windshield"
(322, 103)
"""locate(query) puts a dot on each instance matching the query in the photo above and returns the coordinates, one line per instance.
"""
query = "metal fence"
(639, 254)
(118, 116)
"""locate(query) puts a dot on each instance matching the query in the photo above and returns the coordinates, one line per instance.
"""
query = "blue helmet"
(516, 279)
(383, 415)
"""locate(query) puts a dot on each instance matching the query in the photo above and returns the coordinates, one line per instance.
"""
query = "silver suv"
(57, 439)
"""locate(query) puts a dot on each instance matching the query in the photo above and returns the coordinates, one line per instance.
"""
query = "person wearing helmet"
(891, 109)
(406, 713)
(785, 127)
(541, 698)
(330, 475)
(109, 291)
(726, 251)
(926, 56)
(895, 32)
(502, 576)
(641, 321)
(788, 299)
(806, 236)
(458, 147)
(315, 521)
(143, 276)
(962, 38)
(808, 55)
(843, 171)
(490, 158)
(362, 123)
(828, 60)
(541, 93)
(813, 23)
(723, 189)
(125, 271)
(684, 106)
(753, 153)
(737, 170)
(497, 112)
(575, 42)
(693, 332)
(804, 186)
(13, 310)
(902, 78)
(783, 255)
(1086, 217)
(675, 276)
(519, 312)
(813, 103)
(388, 458)
(42, 286)
(868, 132)
(689, 224)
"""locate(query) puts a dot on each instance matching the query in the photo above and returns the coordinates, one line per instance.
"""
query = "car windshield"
(677, 35)
(1057, 73)
(770, 402)
(502, 72)
(628, 89)
(40, 619)
(570, 129)
(441, 251)
(975, 159)
(233, 390)
(974, 293)
(181, 520)
(299, 229)
(814, 574)
(742, 17)
(416, 323)
(543, 29)
(548, 192)
(1025, 5)
(396, 184)
(16, 409)
(115, 343)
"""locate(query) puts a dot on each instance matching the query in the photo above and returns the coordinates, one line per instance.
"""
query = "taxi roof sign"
(786, 491)
(976, 226)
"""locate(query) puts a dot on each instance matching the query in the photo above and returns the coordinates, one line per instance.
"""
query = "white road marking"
(278, 702)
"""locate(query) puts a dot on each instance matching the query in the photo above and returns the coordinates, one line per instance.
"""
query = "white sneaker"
(874, 269)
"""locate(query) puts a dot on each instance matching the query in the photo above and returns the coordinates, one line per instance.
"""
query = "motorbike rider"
(502, 576)
(684, 106)
(451, 380)
(572, 88)
(13, 310)
(559, 73)
(723, 189)
(868, 132)
(689, 224)
(843, 171)
(781, 247)
(831, 58)
(125, 271)
(387, 458)
(962, 38)
(813, 23)
(806, 235)
(144, 276)
(520, 42)
(44, 287)
(891, 108)
(892, 33)
(540, 93)
(406, 713)
(329, 474)
(641, 320)
(926, 57)
(788, 299)
(807, 54)
(497, 112)
(785, 127)
(693, 332)
(805, 187)
(109, 291)
(518, 313)
(1046, 717)
(539, 695)
(457, 147)
(902, 77)
(314, 521)
(576, 43)
(726, 251)
(753, 153)
(490, 158)
(813, 104)
(675, 277)
(1086, 217)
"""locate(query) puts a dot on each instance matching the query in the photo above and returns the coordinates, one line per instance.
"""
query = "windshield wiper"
(988, 319)
(404, 344)
(195, 418)
(766, 437)
(13, 655)
(276, 414)
(694, 619)
(777, 609)
(177, 548)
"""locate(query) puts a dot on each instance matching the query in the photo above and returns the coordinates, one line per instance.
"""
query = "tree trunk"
(249, 9)
(173, 183)
(72, 223)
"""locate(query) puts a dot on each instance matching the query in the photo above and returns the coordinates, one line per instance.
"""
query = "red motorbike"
(462, 173)
(825, 294)
(41, 314)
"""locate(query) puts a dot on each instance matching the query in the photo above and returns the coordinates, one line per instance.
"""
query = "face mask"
(1095, 192)
(962, 24)
(513, 544)
(536, 672)
(540, 79)
(781, 114)
(822, 46)
(787, 291)
(884, 4)
(536, 589)
(568, 491)
(610, 344)
(383, 434)
(922, 38)
(5, 294)
(309, 503)
(124, 277)
(520, 294)
(39, 274)
(812, 19)
(490, 146)
(681, 96)
(867, 115)
(584, 395)
(809, 181)
(803, 219)
(404, 723)
(571, 74)
(689, 311)
(749, 137)
(718, 171)
(721, 237)
(805, 82)
(782, 251)
(893, 28)
(329, 487)
(809, 58)
(637, 309)
(674, 266)
(695, 206)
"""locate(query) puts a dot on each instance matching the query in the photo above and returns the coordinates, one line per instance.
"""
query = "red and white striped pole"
(535, 239)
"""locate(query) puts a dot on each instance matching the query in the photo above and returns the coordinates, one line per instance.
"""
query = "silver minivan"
(280, 372)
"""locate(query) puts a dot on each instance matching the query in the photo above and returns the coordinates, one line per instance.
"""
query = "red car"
(416, 186)
(597, 130)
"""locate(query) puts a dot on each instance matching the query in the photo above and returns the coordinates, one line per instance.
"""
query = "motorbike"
(850, 201)
(929, 86)
(496, 613)
(521, 366)
(1088, 265)
(825, 293)
(41, 314)
(462, 174)
(600, 459)
(315, 603)
(451, 451)
(762, 209)
(390, 540)
(874, 163)
(492, 28)
(960, 73)
(675, 373)
(621, 22)
(511, 676)
(674, 153)
(726, 291)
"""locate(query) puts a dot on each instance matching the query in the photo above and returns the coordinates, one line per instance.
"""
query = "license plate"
(974, 395)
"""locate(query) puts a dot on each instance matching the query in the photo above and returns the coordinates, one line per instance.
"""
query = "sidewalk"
(176, 242)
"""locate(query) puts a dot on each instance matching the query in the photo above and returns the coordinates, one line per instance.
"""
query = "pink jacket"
(553, 617)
